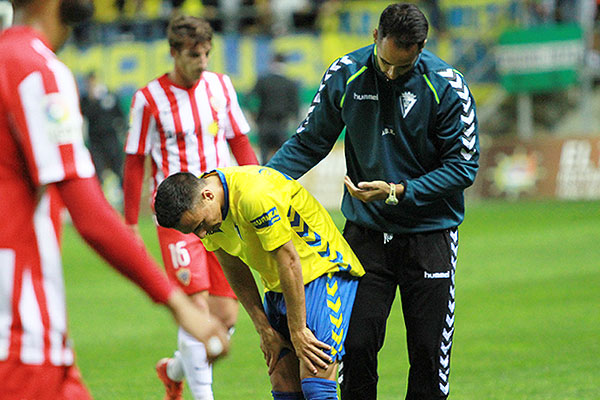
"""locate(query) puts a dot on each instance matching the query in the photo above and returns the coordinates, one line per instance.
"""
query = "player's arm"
(242, 150)
(457, 144)
(102, 228)
(133, 178)
(137, 145)
(319, 131)
(308, 348)
(244, 286)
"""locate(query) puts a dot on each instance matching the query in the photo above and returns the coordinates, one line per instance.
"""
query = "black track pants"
(422, 267)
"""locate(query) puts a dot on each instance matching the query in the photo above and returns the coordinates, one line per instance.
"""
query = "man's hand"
(200, 324)
(371, 191)
(309, 350)
(271, 344)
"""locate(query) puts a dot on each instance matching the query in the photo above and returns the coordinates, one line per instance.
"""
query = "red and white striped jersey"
(41, 143)
(185, 129)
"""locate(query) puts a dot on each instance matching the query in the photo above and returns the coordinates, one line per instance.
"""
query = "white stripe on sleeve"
(32, 349)
(53, 282)
(7, 274)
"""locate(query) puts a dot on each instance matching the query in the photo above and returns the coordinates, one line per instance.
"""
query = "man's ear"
(375, 35)
(207, 194)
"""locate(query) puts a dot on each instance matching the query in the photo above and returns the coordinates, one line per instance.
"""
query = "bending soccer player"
(188, 119)
(256, 217)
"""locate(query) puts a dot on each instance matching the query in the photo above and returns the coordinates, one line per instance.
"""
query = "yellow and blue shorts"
(329, 300)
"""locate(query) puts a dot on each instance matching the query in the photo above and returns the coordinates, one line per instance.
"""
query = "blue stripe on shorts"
(329, 301)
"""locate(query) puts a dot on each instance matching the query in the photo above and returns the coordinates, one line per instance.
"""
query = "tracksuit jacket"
(419, 129)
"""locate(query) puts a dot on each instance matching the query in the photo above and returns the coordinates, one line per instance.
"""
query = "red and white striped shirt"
(185, 129)
(41, 143)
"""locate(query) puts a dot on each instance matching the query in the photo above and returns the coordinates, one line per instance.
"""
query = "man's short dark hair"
(405, 24)
(174, 196)
(186, 31)
(20, 3)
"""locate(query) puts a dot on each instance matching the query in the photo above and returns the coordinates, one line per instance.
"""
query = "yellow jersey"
(263, 210)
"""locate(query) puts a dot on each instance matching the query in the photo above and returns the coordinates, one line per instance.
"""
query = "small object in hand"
(214, 346)
(392, 200)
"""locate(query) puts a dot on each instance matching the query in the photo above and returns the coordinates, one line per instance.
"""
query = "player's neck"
(179, 80)
(214, 183)
(44, 17)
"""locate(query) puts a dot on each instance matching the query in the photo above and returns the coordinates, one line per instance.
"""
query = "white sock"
(175, 368)
(198, 372)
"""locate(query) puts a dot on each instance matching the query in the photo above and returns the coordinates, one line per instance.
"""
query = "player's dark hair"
(405, 24)
(184, 31)
(174, 196)
(20, 3)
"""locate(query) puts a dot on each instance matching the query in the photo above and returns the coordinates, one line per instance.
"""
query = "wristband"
(392, 200)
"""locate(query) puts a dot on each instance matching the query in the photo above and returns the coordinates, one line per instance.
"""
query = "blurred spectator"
(569, 10)
(435, 14)
(105, 126)
(545, 11)
(278, 107)
(327, 15)
(136, 4)
(539, 11)
(284, 12)
(246, 16)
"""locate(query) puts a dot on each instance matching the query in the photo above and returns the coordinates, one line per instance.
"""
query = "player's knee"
(319, 389)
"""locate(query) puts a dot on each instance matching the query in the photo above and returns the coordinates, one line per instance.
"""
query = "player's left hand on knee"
(311, 351)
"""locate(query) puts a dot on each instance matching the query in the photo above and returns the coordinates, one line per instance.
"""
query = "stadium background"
(529, 270)
(538, 140)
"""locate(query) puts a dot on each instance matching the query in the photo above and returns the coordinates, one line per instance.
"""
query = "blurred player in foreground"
(411, 150)
(187, 120)
(259, 218)
(43, 161)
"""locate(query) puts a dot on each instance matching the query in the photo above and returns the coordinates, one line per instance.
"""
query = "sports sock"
(287, 395)
(175, 368)
(198, 371)
(319, 389)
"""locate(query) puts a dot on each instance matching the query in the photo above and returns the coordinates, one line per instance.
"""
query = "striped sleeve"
(141, 122)
(53, 127)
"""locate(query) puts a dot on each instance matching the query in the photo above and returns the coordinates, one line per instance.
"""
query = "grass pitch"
(527, 315)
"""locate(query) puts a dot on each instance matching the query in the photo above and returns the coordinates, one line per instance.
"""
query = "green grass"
(527, 316)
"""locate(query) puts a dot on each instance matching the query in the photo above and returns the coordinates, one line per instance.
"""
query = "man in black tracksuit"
(411, 147)
(278, 109)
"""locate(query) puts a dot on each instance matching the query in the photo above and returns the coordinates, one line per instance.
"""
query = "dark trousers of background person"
(422, 267)
(107, 153)
(272, 133)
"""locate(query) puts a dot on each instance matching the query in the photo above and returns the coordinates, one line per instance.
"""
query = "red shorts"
(190, 266)
(41, 382)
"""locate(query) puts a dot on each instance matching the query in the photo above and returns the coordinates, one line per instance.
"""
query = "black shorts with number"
(422, 266)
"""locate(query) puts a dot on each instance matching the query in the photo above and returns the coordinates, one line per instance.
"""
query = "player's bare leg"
(285, 379)
(323, 385)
